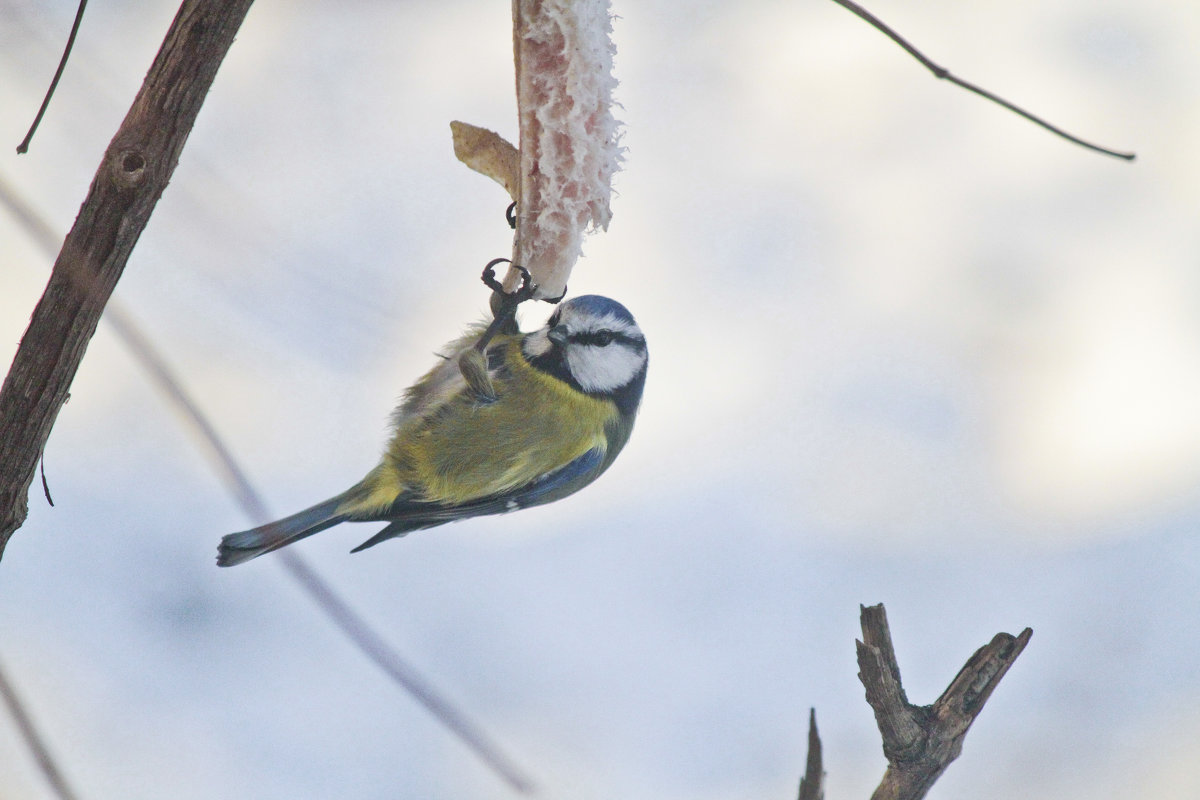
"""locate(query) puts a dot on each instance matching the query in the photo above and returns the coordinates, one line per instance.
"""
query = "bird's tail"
(245, 545)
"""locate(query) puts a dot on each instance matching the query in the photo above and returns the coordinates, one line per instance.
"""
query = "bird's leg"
(472, 362)
(504, 304)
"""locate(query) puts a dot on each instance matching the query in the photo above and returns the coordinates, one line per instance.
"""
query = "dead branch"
(921, 741)
(812, 785)
(132, 175)
(918, 741)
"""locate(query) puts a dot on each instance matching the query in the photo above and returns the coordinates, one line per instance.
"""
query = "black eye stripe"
(602, 338)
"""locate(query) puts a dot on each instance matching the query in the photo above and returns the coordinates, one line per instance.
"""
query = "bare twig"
(132, 176)
(33, 739)
(370, 643)
(812, 785)
(921, 741)
(387, 659)
(222, 460)
(945, 74)
(321, 592)
(79, 289)
(23, 147)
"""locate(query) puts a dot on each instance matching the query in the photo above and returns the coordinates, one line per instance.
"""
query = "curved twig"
(23, 147)
(222, 460)
(33, 739)
(945, 74)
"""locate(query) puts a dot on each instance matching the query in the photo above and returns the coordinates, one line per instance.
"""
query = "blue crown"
(598, 306)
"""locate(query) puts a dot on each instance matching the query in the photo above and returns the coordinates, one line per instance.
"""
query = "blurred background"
(906, 348)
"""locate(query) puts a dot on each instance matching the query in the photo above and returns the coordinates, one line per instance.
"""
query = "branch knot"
(128, 168)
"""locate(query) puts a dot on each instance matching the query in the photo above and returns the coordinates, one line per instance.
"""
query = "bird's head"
(594, 344)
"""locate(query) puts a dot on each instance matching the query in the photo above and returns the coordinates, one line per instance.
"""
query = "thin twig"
(33, 740)
(221, 459)
(23, 147)
(387, 659)
(327, 599)
(945, 74)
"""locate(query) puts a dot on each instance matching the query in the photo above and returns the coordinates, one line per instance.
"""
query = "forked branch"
(921, 741)
(918, 741)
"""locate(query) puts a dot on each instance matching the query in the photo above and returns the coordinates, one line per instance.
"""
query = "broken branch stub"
(921, 741)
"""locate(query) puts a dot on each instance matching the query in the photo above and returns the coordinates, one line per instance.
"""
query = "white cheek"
(603, 369)
(536, 344)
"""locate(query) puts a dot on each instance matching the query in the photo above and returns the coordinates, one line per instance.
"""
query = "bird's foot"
(473, 365)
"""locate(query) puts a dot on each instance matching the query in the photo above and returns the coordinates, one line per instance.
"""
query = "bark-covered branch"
(132, 175)
(918, 741)
(812, 784)
(921, 741)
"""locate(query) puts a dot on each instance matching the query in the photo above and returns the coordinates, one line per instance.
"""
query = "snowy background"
(905, 348)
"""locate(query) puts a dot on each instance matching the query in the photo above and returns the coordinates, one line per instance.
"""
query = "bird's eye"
(602, 338)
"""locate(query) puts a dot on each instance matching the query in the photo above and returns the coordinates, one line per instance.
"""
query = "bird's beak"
(558, 336)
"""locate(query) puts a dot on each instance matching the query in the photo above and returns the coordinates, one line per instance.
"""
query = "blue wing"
(408, 515)
(562, 482)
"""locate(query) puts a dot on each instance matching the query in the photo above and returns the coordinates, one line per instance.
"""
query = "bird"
(550, 414)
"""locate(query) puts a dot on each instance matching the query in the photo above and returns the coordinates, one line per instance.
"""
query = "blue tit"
(561, 406)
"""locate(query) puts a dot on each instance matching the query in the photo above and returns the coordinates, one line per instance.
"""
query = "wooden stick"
(921, 741)
(812, 785)
(132, 175)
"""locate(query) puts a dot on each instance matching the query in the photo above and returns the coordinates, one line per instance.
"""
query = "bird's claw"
(517, 296)
(504, 312)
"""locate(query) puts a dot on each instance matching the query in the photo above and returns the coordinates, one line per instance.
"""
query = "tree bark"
(132, 175)
(921, 741)
(918, 741)
(812, 783)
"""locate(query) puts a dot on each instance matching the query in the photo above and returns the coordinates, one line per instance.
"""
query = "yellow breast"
(466, 450)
